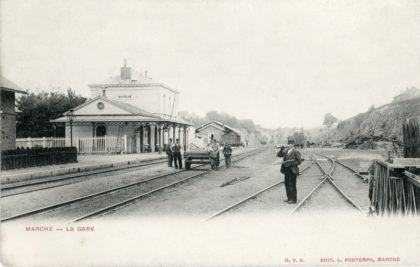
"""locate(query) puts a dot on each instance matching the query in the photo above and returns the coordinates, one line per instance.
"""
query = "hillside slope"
(385, 120)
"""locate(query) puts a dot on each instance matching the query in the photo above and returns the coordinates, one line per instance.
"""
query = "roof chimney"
(125, 71)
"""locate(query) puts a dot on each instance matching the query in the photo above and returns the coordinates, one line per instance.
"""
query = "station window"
(164, 104)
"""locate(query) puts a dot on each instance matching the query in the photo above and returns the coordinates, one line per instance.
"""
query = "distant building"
(8, 113)
(409, 93)
(221, 132)
(133, 105)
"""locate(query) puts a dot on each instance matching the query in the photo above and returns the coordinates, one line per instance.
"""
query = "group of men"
(289, 167)
(174, 152)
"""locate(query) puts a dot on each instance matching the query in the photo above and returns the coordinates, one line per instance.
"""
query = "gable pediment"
(100, 107)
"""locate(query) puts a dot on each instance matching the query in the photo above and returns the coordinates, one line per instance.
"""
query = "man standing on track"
(227, 153)
(176, 149)
(290, 168)
(169, 153)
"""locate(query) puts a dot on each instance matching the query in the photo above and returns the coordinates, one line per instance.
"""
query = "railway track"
(52, 182)
(326, 179)
(93, 205)
(253, 196)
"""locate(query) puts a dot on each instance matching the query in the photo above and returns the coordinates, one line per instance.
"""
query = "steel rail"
(303, 201)
(346, 166)
(129, 201)
(352, 170)
(346, 196)
(327, 177)
(322, 169)
(115, 189)
(235, 205)
(69, 176)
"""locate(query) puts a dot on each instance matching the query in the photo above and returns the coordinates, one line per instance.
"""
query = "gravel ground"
(201, 196)
(76, 210)
(70, 179)
(21, 203)
(326, 200)
(26, 202)
(271, 202)
(352, 158)
(205, 196)
(352, 185)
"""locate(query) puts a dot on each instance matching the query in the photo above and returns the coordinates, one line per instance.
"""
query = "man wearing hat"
(176, 150)
(169, 153)
(290, 169)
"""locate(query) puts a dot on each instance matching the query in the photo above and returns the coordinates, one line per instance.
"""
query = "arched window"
(100, 130)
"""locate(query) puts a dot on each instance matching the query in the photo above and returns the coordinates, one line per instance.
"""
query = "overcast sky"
(280, 63)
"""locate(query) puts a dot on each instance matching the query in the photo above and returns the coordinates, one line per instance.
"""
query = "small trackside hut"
(220, 131)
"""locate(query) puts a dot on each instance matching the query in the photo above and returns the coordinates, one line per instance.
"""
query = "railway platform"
(85, 163)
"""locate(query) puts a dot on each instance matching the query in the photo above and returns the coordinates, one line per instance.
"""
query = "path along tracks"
(109, 200)
(327, 177)
(18, 188)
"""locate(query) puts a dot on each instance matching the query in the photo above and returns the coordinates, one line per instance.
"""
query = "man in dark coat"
(169, 153)
(290, 168)
(227, 152)
(176, 151)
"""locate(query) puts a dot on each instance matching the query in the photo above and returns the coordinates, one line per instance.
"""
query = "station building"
(132, 105)
(221, 132)
(8, 114)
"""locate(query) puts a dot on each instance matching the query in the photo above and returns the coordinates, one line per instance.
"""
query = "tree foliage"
(193, 118)
(329, 119)
(36, 111)
(230, 120)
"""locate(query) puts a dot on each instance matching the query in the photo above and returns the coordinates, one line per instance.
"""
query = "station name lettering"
(60, 229)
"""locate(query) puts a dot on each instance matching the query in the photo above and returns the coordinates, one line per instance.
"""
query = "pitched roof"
(125, 106)
(110, 118)
(221, 124)
(119, 118)
(138, 80)
(7, 85)
(136, 114)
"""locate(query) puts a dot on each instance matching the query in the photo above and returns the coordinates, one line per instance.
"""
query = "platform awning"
(119, 118)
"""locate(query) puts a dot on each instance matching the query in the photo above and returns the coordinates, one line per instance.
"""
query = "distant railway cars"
(296, 139)
(299, 139)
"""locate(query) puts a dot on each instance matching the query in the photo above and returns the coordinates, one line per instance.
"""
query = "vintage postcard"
(210, 133)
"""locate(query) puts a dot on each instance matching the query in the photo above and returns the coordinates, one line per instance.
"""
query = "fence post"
(77, 145)
(125, 143)
(43, 142)
(29, 143)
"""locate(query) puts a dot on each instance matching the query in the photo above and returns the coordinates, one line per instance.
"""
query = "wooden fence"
(34, 157)
(85, 145)
(411, 138)
(101, 145)
(43, 142)
(90, 145)
(396, 190)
